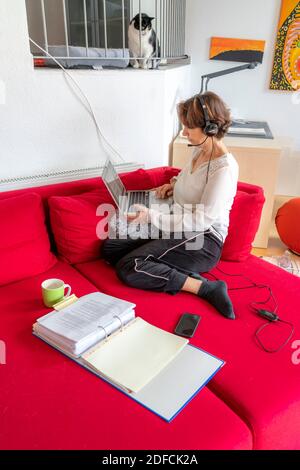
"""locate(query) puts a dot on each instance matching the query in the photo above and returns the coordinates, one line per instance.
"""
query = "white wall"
(246, 92)
(43, 127)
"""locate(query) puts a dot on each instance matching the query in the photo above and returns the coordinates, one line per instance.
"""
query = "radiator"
(62, 176)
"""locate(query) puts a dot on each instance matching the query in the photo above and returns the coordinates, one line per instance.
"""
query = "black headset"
(211, 128)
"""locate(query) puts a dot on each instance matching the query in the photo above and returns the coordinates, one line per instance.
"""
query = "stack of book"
(81, 325)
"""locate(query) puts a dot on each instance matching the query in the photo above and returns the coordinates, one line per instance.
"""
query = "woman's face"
(195, 136)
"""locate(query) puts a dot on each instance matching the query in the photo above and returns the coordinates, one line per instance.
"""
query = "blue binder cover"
(175, 386)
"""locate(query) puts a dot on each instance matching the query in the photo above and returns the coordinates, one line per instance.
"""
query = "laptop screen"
(113, 181)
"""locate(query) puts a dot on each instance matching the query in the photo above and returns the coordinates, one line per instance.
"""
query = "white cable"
(169, 249)
(90, 109)
(164, 253)
(179, 244)
(145, 272)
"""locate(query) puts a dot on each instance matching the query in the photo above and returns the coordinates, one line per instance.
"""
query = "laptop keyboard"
(139, 197)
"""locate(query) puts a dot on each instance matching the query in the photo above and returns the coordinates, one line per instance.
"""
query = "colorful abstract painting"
(286, 67)
(237, 50)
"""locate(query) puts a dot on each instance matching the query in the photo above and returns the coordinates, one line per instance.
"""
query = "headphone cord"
(265, 325)
(257, 310)
(211, 155)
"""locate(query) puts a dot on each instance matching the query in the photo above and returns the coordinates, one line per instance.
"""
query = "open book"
(133, 357)
(156, 368)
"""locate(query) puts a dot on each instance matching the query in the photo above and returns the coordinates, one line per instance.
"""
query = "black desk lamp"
(240, 128)
(209, 76)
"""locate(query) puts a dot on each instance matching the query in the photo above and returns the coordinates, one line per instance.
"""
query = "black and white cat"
(149, 43)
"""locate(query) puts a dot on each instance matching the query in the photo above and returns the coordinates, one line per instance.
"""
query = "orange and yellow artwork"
(286, 67)
(237, 50)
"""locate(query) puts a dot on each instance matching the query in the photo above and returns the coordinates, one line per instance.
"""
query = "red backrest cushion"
(77, 228)
(161, 175)
(24, 243)
(244, 221)
(74, 222)
(244, 217)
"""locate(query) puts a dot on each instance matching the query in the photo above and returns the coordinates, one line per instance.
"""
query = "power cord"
(271, 317)
(89, 109)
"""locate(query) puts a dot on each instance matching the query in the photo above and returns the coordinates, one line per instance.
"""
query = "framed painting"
(286, 66)
(237, 50)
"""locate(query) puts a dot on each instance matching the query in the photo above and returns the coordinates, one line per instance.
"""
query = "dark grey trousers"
(161, 265)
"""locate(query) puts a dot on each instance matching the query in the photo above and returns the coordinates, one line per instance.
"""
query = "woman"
(207, 184)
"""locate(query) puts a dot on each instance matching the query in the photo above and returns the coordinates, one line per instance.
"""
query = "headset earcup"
(211, 129)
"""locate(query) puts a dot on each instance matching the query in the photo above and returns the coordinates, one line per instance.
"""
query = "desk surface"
(277, 143)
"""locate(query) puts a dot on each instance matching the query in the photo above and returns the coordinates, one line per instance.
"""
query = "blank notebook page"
(136, 355)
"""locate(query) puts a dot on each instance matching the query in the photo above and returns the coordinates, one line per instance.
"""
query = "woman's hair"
(191, 115)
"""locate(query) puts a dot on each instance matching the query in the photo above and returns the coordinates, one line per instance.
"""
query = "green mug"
(53, 291)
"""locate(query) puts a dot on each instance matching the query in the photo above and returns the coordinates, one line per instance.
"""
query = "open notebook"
(156, 368)
(134, 356)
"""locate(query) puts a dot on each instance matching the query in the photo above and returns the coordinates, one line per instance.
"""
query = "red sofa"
(48, 402)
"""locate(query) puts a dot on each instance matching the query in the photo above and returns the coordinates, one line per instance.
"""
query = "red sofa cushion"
(162, 175)
(24, 243)
(244, 220)
(47, 401)
(262, 388)
(75, 223)
(136, 180)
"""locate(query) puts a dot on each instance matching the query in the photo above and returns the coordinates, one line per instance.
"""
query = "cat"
(149, 43)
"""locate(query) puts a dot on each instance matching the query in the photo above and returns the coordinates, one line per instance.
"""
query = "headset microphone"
(198, 145)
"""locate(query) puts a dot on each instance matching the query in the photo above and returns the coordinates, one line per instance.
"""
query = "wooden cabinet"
(258, 161)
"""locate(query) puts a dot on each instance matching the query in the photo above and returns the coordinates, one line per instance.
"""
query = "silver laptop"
(126, 199)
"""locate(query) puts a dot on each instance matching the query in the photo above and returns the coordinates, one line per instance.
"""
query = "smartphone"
(187, 325)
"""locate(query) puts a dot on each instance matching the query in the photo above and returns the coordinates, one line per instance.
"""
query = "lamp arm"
(206, 83)
(202, 84)
(251, 65)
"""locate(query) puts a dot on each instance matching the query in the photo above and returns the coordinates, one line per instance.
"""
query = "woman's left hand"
(141, 214)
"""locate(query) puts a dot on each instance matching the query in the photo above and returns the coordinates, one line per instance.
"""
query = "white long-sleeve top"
(207, 206)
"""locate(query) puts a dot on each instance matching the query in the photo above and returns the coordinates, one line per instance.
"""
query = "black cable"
(254, 285)
(259, 311)
(262, 327)
(201, 143)
(212, 151)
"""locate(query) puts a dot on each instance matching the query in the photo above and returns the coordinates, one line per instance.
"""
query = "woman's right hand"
(164, 191)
